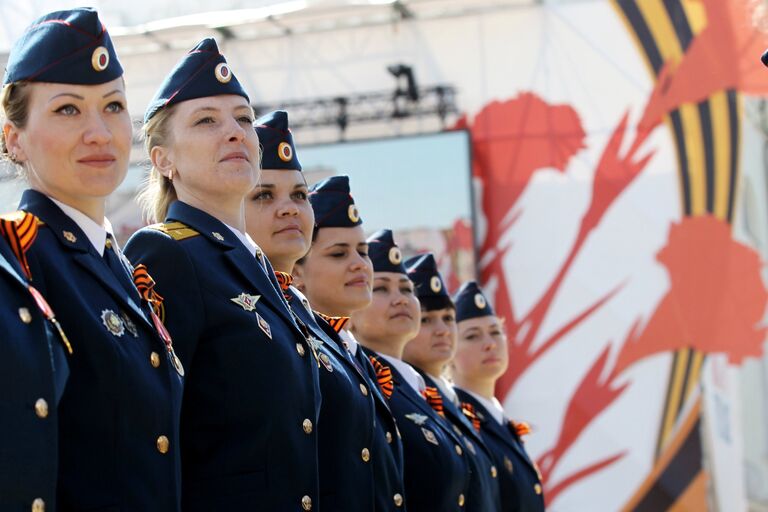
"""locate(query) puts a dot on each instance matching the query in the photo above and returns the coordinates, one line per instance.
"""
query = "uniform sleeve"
(177, 282)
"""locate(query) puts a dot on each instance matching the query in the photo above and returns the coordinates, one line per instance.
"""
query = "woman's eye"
(302, 196)
(204, 120)
(363, 254)
(245, 120)
(337, 254)
(424, 319)
(261, 196)
(406, 290)
(379, 288)
(470, 337)
(67, 110)
(115, 107)
(449, 319)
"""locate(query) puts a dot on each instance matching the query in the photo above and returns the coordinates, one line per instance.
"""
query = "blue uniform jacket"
(33, 373)
(521, 488)
(118, 416)
(251, 396)
(436, 468)
(483, 493)
(380, 478)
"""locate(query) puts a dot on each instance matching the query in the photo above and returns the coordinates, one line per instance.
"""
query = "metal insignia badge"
(129, 325)
(100, 59)
(470, 446)
(429, 436)
(69, 236)
(284, 152)
(480, 301)
(264, 325)
(245, 301)
(113, 322)
(352, 213)
(435, 284)
(326, 361)
(417, 418)
(218, 236)
(222, 73)
(508, 464)
(395, 256)
(176, 361)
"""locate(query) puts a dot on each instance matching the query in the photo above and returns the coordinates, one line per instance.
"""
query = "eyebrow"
(272, 185)
(82, 98)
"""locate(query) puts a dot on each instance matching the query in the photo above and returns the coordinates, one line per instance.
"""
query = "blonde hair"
(157, 192)
(14, 100)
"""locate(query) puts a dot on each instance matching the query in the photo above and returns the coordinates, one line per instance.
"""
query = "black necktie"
(118, 269)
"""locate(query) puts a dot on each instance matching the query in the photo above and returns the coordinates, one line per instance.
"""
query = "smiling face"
(213, 151)
(392, 319)
(76, 142)
(279, 217)
(336, 274)
(435, 344)
(481, 353)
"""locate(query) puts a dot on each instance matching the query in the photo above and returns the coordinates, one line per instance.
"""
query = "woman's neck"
(388, 347)
(482, 387)
(230, 211)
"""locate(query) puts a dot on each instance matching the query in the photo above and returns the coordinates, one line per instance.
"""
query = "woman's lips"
(98, 160)
(235, 156)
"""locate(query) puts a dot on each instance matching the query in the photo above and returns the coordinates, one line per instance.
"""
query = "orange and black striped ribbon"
(383, 376)
(285, 280)
(434, 399)
(469, 411)
(520, 428)
(20, 230)
(146, 287)
(337, 323)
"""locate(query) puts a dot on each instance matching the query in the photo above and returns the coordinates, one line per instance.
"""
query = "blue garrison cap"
(429, 284)
(471, 303)
(333, 205)
(201, 73)
(278, 150)
(65, 47)
(384, 252)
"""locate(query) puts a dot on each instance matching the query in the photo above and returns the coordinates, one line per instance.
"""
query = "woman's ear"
(13, 144)
(162, 160)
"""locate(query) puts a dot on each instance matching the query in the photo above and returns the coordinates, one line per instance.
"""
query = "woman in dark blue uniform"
(481, 358)
(33, 373)
(68, 129)
(251, 396)
(437, 471)
(280, 219)
(429, 353)
(336, 275)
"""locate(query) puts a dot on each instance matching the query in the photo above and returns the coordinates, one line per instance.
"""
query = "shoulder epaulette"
(176, 230)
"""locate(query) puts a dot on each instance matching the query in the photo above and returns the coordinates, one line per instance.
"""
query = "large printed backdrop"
(612, 258)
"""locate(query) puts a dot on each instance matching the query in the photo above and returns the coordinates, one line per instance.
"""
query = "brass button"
(307, 426)
(25, 315)
(38, 505)
(494, 472)
(398, 500)
(366, 455)
(162, 444)
(154, 359)
(461, 500)
(537, 488)
(108, 243)
(300, 349)
(41, 408)
(389, 438)
(306, 503)
(459, 451)
(363, 389)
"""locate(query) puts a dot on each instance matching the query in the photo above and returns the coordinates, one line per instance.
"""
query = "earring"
(170, 176)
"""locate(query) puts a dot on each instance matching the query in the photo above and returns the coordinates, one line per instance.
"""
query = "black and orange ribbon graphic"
(146, 287)
(469, 411)
(20, 230)
(434, 399)
(520, 428)
(337, 323)
(384, 377)
(285, 280)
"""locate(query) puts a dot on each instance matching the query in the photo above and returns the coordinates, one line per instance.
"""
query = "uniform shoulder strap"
(176, 230)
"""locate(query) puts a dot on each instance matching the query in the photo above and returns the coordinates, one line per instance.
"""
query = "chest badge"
(417, 418)
(429, 436)
(129, 325)
(245, 301)
(264, 325)
(113, 322)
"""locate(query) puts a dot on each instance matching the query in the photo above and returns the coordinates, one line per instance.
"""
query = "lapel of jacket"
(454, 415)
(74, 242)
(501, 432)
(237, 256)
